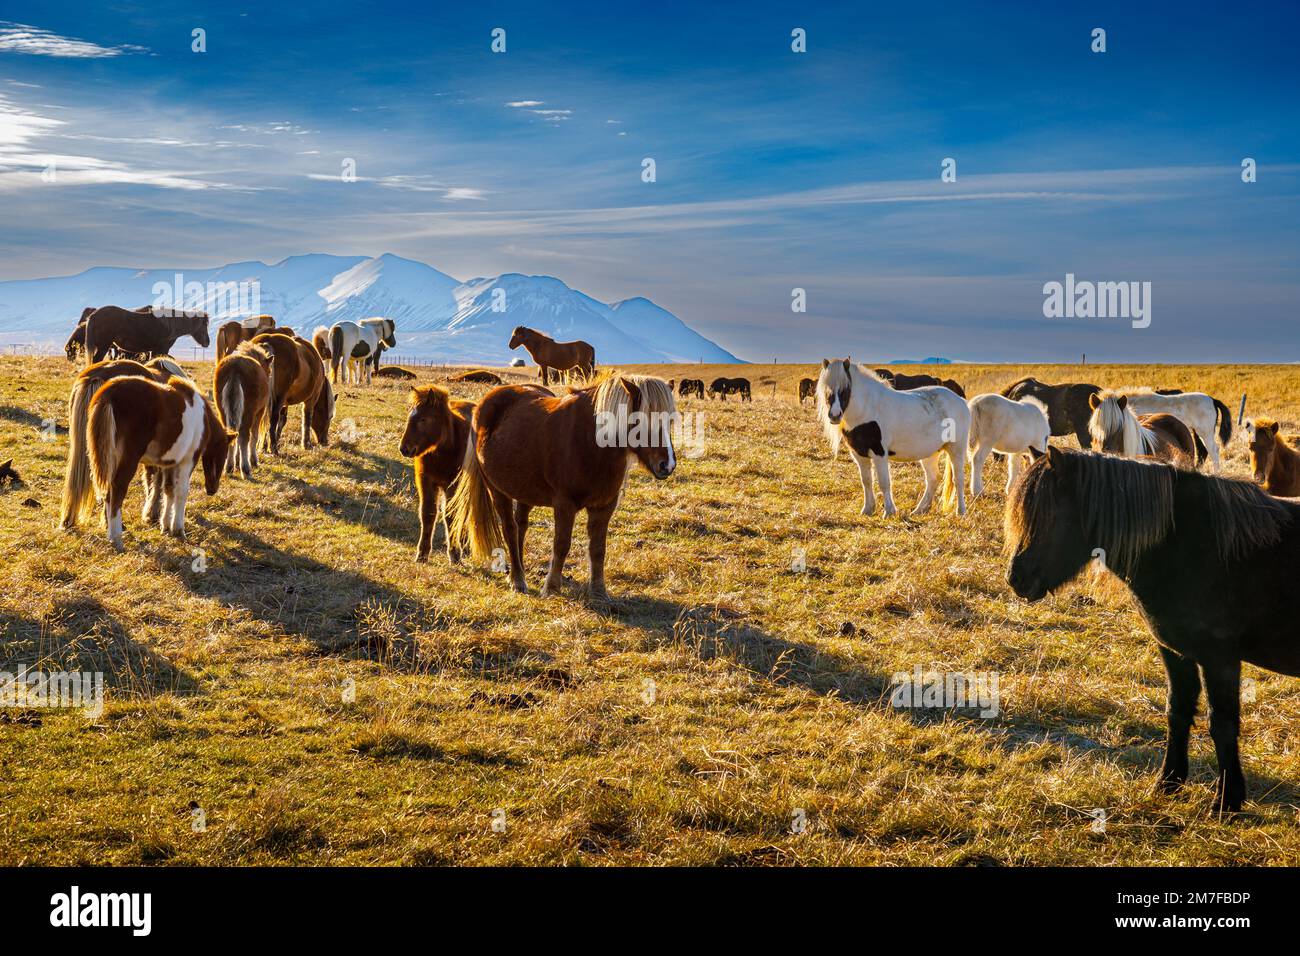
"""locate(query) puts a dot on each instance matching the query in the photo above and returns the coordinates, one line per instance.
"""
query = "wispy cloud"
(34, 41)
(523, 104)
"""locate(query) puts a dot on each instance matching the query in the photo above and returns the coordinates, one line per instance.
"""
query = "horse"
(230, 334)
(479, 376)
(170, 427)
(1013, 428)
(905, 383)
(299, 379)
(356, 346)
(807, 389)
(1068, 410)
(691, 386)
(1198, 411)
(722, 387)
(1118, 431)
(77, 340)
(78, 487)
(320, 338)
(577, 356)
(243, 384)
(145, 333)
(1211, 561)
(436, 436)
(1274, 458)
(916, 425)
(530, 449)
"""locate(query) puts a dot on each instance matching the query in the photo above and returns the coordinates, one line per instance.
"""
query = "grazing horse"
(530, 449)
(881, 423)
(299, 379)
(142, 333)
(78, 486)
(170, 427)
(722, 387)
(436, 436)
(1068, 410)
(243, 384)
(1198, 411)
(1118, 431)
(320, 338)
(77, 340)
(905, 383)
(230, 334)
(691, 386)
(1211, 561)
(577, 356)
(807, 389)
(1274, 461)
(357, 345)
(1013, 428)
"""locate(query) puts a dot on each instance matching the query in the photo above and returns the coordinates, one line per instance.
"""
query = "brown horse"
(530, 449)
(78, 486)
(807, 389)
(143, 333)
(170, 427)
(77, 340)
(299, 380)
(1273, 461)
(479, 376)
(905, 383)
(243, 385)
(1118, 431)
(230, 334)
(576, 356)
(436, 436)
(320, 338)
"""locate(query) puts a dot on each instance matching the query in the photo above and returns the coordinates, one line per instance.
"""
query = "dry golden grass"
(686, 725)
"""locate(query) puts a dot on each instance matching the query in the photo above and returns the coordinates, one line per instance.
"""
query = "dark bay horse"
(530, 449)
(807, 389)
(1275, 458)
(905, 383)
(576, 356)
(1211, 562)
(77, 340)
(143, 333)
(691, 386)
(722, 387)
(436, 436)
(1068, 410)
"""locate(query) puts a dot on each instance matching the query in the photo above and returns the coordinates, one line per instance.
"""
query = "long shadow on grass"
(376, 514)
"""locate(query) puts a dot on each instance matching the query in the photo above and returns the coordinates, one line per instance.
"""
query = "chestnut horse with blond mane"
(299, 379)
(529, 449)
(436, 436)
(578, 356)
(243, 385)
(230, 334)
(1275, 458)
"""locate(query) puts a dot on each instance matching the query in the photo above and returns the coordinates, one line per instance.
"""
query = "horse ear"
(826, 363)
(1272, 427)
(1055, 457)
(846, 366)
(1123, 402)
(1035, 454)
(633, 393)
(1093, 400)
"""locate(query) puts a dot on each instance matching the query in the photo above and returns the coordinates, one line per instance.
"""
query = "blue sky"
(775, 170)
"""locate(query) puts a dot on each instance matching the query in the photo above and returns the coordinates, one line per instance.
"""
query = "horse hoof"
(519, 587)
(422, 558)
(551, 590)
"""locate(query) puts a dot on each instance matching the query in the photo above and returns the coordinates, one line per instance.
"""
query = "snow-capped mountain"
(437, 316)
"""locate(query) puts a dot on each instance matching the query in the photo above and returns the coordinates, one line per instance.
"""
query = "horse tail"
(973, 436)
(232, 403)
(102, 438)
(78, 486)
(1202, 452)
(336, 353)
(471, 517)
(949, 499)
(1225, 421)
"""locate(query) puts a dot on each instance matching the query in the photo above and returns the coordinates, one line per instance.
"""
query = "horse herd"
(1209, 559)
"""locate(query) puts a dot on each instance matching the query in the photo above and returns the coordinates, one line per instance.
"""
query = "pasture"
(292, 672)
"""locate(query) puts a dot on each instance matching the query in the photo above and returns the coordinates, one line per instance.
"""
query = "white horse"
(880, 423)
(1196, 410)
(1011, 427)
(355, 346)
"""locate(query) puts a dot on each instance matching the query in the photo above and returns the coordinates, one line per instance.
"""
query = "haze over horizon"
(775, 170)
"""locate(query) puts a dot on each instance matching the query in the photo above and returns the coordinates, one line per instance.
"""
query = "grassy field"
(323, 699)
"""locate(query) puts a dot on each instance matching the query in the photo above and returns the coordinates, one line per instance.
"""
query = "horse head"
(198, 328)
(429, 421)
(1043, 526)
(215, 453)
(520, 336)
(390, 333)
(835, 389)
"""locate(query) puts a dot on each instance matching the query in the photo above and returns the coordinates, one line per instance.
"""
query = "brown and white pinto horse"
(577, 356)
(530, 449)
(170, 427)
(78, 486)
(1118, 431)
(299, 380)
(436, 436)
(147, 333)
(230, 334)
(243, 385)
(1275, 458)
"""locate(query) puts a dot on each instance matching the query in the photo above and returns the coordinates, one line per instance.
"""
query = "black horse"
(1210, 560)
(722, 387)
(1068, 410)
(691, 386)
(905, 383)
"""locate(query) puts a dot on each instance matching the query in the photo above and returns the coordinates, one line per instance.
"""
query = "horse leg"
(443, 532)
(978, 460)
(152, 502)
(1223, 690)
(930, 468)
(882, 476)
(167, 478)
(1015, 461)
(522, 511)
(868, 487)
(564, 515)
(428, 494)
(597, 534)
(1082, 434)
(180, 494)
(1184, 691)
(306, 423)
(114, 498)
(506, 515)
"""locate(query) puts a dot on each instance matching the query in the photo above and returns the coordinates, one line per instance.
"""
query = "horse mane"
(608, 395)
(254, 350)
(1108, 418)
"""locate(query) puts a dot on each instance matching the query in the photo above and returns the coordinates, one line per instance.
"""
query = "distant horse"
(170, 427)
(144, 333)
(577, 356)
(1118, 431)
(78, 485)
(807, 389)
(1013, 428)
(722, 387)
(529, 449)
(77, 341)
(1068, 410)
(320, 338)
(436, 436)
(396, 372)
(1211, 561)
(244, 384)
(691, 386)
(230, 334)
(1274, 459)
(905, 383)
(479, 376)
(916, 425)
(355, 346)
(1198, 411)
(299, 379)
